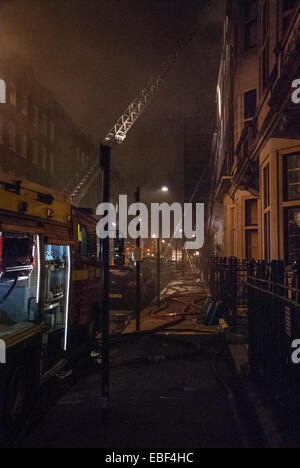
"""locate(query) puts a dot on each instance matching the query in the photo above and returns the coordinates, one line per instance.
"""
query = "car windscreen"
(121, 273)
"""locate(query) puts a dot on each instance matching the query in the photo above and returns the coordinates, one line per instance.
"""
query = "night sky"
(96, 55)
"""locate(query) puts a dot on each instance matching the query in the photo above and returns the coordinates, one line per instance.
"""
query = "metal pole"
(138, 270)
(158, 270)
(105, 156)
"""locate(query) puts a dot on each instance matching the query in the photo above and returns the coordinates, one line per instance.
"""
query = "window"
(266, 212)
(1, 128)
(291, 174)
(52, 131)
(249, 104)
(44, 124)
(251, 229)
(292, 217)
(267, 235)
(251, 212)
(12, 136)
(2, 91)
(35, 116)
(266, 182)
(12, 94)
(23, 145)
(51, 163)
(251, 15)
(24, 105)
(35, 149)
(265, 66)
(252, 244)
(44, 158)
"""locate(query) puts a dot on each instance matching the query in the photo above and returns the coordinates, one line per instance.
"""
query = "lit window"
(44, 124)
(35, 116)
(251, 244)
(1, 128)
(24, 145)
(35, 148)
(44, 158)
(12, 136)
(251, 212)
(292, 241)
(292, 177)
(2, 91)
(24, 105)
(12, 95)
(51, 163)
(251, 231)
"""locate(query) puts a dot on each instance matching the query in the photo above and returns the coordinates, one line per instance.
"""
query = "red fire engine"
(50, 290)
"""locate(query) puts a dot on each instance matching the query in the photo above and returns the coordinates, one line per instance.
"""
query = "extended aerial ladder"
(118, 132)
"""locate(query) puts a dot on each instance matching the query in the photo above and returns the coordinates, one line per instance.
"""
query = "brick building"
(38, 140)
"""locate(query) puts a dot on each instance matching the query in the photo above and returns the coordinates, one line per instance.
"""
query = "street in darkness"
(149, 226)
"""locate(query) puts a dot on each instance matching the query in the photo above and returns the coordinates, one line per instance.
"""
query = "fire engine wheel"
(16, 402)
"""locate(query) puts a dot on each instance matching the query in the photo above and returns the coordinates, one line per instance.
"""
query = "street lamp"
(164, 189)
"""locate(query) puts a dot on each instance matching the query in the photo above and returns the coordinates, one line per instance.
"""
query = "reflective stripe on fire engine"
(80, 275)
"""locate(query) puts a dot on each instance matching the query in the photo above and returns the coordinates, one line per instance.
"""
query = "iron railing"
(270, 295)
(274, 324)
(228, 283)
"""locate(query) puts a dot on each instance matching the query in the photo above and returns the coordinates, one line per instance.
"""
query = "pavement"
(168, 390)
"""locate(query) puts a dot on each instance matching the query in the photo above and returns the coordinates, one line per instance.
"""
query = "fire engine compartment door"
(56, 302)
(19, 281)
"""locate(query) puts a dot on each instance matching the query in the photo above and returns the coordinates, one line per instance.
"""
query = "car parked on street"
(123, 288)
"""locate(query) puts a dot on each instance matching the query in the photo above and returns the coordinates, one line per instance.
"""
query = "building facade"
(255, 198)
(38, 140)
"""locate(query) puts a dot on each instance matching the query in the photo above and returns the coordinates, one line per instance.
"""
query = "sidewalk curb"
(262, 413)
